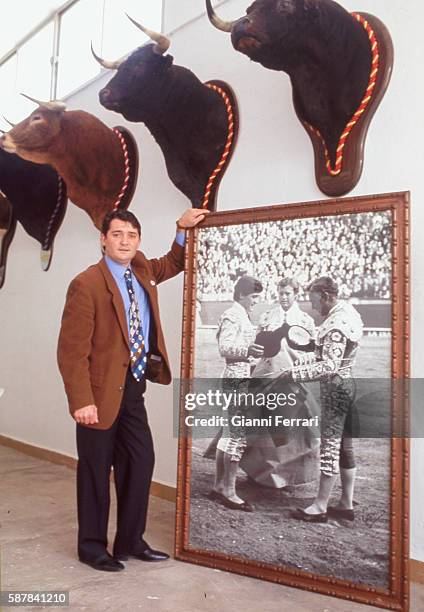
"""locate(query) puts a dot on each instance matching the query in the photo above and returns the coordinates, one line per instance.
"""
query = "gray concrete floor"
(38, 533)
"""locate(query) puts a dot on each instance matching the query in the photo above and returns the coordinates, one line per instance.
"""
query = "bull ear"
(169, 59)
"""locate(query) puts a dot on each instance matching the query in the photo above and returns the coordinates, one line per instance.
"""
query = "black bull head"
(187, 119)
(325, 51)
(36, 197)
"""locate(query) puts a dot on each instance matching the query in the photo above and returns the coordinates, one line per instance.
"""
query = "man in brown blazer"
(110, 342)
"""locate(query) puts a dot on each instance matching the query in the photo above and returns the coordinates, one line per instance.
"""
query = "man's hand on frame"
(86, 415)
(191, 217)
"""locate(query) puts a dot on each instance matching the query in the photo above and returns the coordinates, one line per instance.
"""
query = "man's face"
(248, 301)
(287, 297)
(121, 241)
(318, 302)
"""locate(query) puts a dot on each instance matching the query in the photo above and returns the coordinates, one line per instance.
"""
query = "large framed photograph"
(292, 412)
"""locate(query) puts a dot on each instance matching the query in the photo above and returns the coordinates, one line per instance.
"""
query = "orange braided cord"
(126, 168)
(228, 144)
(334, 171)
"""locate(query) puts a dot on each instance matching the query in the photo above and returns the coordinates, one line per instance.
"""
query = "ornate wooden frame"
(397, 596)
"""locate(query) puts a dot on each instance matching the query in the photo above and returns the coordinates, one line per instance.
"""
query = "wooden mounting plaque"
(353, 154)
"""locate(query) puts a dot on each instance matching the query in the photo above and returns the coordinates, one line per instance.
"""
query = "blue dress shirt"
(180, 238)
(118, 270)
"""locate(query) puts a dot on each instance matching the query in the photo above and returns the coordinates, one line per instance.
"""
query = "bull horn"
(54, 105)
(38, 102)
(9, 122)
(105, 63)
(219, 23)
(162, 41)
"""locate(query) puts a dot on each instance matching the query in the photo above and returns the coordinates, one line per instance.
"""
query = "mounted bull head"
(188, 120)
(37, 198)
(331, 62)
(85, 152)
(7, 231)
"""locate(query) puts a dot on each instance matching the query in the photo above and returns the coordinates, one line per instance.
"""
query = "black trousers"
(128, 447)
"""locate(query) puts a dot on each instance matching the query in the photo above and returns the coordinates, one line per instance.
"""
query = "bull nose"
(241, 28)
(107, 100)
(7, 143)
(104, 95)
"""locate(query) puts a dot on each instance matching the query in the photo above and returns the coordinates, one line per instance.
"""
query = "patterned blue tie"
(138, 349)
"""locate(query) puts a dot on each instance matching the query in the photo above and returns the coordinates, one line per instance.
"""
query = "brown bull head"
(85, 152)
(36, 132)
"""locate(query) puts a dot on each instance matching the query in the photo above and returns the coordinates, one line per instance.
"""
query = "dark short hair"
(122, 215)
(324, 284)
(246, 285)
(286, 281)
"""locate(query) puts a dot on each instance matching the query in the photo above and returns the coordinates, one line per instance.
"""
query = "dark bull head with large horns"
(135, 76)
(307, 39)
(323, 48)
(187, 119)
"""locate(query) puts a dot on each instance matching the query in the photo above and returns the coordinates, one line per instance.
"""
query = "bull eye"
(37, 118)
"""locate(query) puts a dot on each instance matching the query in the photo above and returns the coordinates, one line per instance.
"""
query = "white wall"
(179, 12)
(276, 151)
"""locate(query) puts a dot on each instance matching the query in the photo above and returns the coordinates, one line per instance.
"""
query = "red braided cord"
(228, 144)
(127, 168)
(364, 103)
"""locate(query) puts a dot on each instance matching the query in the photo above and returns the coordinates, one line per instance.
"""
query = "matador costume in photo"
(235, 334)
(273, 459)
(336, 348)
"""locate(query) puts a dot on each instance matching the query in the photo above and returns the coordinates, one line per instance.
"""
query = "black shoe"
(301, 515)
(341, 513)
(228, 503)
(214, 495)
(148, 554)
(105, 563)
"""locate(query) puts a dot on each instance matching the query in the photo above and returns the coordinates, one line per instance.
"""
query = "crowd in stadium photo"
(354, 250)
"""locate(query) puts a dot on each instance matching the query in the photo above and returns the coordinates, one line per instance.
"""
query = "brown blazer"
(93, 349)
